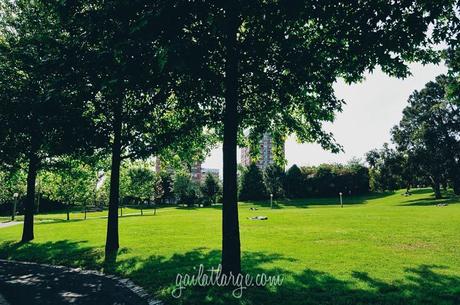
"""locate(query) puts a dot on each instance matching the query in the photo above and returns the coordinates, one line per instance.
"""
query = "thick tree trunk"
(456, 186)
(112, 242)
(231, 255)
(28, 228)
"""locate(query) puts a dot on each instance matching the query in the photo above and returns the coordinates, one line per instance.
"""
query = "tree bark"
(28, 228)
(436, 188)
(456, 179)
(112, 241)
(444, 185)
(456, 186)
(231, 253)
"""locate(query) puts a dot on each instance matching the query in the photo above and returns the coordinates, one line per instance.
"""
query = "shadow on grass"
(421, 285)
(431, 201)
(448, 197)
(421, 191)
(64, 252)
(321, 201)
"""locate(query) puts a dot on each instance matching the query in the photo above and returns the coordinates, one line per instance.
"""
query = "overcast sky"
(373, 107)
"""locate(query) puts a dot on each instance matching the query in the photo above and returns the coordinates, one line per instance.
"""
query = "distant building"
(195, 169)
(196, 173)
(245, 156)
(265, 155)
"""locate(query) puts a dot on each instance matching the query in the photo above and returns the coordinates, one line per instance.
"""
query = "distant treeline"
(306, 181)
(79, 184)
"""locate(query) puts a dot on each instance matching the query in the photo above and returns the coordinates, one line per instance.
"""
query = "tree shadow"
(421, 191)
(421, 285)
(25, 284)
(63, 252)
(431, 201)
(425, 284)
(448, 198)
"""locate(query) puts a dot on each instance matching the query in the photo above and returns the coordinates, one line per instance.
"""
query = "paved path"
(9, 224)
(28, 283)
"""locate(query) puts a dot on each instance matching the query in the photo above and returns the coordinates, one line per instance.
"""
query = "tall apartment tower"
(195, 171)
(266, 152)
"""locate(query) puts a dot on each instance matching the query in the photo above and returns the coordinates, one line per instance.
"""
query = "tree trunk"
(444, 185)
(456, 186)
(436, 188)
(231, 255)
(456, 179)
(28, 228)
(112, 243)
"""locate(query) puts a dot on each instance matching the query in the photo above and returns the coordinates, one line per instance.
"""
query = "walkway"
(9, 224)
(29, 283)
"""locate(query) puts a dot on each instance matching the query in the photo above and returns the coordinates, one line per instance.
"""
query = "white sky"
(373, 107)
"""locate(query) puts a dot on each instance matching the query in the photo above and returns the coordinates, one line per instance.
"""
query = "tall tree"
(274, 177)
(210, 188)
(273, 65)
(429, 131)
(252, 184)
(121, 54)
(41, 112)
(294, 182)
(453, 86)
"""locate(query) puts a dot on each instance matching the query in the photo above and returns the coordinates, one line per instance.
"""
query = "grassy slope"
(381, 249)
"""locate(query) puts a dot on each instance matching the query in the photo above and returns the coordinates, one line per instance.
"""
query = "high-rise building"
(266, 152)
(195, 169)
(196, 172)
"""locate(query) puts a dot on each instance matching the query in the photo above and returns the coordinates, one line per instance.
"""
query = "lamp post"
(341, 202)
(271, 201)
(15, 202)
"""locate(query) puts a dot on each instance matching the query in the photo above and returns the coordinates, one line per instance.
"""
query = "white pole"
(341, 202)
(15, 201)
(271, 201)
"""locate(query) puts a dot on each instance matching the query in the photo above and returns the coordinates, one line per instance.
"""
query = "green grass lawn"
(378, 249)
